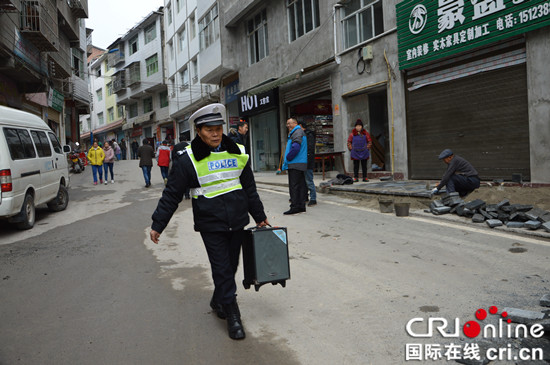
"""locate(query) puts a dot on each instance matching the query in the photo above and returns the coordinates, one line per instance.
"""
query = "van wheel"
(27, 213)
(61, 200)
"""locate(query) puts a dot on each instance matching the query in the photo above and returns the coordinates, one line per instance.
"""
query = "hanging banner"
(428, 30)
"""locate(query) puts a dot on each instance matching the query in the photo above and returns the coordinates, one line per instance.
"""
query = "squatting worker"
(224, 191)
(460, 176)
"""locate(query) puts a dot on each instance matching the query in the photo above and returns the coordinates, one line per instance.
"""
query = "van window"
(20, 143)
(55, 143)
(41, 143)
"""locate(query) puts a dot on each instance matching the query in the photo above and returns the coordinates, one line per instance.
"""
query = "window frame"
(254, 43)
(152, 66)
(209, 27)
(133, 41)
(99, 94)
(148, 104)
(292, 17)
(19, 150)
(163, 99)
(150, 33)
(131, 112)
(377, 25)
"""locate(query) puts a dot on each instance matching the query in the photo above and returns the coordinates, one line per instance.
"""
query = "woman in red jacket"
(163, 160)
(359, 143)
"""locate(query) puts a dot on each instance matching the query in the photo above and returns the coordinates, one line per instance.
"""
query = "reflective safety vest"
(218, 173)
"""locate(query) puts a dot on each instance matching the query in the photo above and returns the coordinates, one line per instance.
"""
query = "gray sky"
(111, 19)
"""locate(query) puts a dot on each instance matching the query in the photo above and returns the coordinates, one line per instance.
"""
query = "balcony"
(39, 24)
(134, 73)
(79, 8)
(59, 65)
(115, 57)
(119, 81)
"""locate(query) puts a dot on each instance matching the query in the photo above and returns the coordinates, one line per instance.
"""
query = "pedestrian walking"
(145, 153)
(461, 176)
(123, 148)
(109, 162)
(224, 193)
(239, 135)
(96, 157)
(296, 164)
(310, 135)
(135, 147)
(359, 143)
(116, 149)
(163, 160)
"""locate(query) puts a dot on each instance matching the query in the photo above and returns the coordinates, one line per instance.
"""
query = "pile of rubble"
(503, 213)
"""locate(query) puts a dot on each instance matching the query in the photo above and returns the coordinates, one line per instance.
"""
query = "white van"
(33, 168)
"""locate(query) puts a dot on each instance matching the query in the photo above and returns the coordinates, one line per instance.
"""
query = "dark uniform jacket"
(458, 166)
(226, 212)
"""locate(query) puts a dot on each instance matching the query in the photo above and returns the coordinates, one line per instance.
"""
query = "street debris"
(494, 215)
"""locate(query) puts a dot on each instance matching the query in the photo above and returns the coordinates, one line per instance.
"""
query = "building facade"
(42, 57)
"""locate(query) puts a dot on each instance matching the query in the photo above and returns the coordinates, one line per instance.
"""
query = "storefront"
(466, 79)
(261, 113)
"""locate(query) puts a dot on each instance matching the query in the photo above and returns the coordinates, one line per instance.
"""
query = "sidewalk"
(420, 198)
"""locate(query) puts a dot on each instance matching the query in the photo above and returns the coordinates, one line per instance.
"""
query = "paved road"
(86, 286)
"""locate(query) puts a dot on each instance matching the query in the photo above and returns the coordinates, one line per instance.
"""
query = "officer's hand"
(263, 223)
(154, 236)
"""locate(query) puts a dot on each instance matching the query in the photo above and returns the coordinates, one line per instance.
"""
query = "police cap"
(213, 114)
(445, 153)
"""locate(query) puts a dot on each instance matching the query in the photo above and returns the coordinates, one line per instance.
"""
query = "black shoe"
(187, 197)
(294, 211)
(234, 326)
(311, 203)
(147, 185)
(217, 308)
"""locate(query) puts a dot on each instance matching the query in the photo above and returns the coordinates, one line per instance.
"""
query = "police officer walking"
(224, 192)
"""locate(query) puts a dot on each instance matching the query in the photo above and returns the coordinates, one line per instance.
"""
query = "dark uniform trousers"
(223, 250)
(297, 188)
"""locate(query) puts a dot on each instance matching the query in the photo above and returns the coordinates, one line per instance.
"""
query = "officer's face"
(211, 135)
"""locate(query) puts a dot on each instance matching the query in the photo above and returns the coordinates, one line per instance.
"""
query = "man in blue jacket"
(296, 164)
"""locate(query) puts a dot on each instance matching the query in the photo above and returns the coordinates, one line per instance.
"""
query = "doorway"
(264, 137)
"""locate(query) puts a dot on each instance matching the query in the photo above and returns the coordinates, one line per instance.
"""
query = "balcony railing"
(79, 8)
(119, 81)
(115, 57)
(39, 24)
(134, 74)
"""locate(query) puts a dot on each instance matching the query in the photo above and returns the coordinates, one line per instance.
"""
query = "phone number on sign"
(534, 13)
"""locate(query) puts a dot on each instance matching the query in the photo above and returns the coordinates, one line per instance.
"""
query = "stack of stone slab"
(494, 215)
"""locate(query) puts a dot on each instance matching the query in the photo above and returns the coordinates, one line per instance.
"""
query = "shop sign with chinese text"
(431, 29)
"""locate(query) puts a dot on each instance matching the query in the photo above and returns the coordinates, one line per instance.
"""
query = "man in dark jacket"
(224, 193)
(146, 155)
(239, 135)
(135, 147)
(310, 135)
(461, 176)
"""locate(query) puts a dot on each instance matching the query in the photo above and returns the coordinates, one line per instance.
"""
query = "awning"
(109, 127)
(275, 83)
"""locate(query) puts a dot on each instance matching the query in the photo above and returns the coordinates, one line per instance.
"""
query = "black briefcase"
(265, 257)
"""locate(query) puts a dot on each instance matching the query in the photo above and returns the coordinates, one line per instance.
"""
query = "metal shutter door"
(483, 118)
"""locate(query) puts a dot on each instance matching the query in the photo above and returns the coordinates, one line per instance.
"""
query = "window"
(152, 64)
(19, 143)
(195, 70)
(78, 63)
(184, 76)
(120, 111)
(303, 17)
(361, 21)
(100, 118)
(133, 110)
(181, 40)
(257, 37)
(192, 28)
(41, 143)
(150, 33)
(178, 6)
(148, 105)
(55, 143)
(98, 71)
(169, 14)
(111, 114)
(99, 94)
(209, 28)
(109, 89)
(133, 45)
(163, 98)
